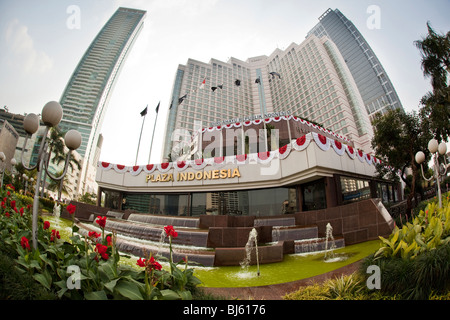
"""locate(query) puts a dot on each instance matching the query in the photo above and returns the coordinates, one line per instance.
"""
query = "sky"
(42, 41)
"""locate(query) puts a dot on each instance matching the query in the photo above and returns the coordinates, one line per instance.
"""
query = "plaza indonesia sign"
(190, 176)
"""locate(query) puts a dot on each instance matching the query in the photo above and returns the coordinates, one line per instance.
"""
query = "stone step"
(145, 231)
(143, 248)
(187, 222)
(316, 244)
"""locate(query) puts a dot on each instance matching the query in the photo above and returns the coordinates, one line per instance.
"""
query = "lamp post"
(51, 116)
(435, 150)
(3, 167)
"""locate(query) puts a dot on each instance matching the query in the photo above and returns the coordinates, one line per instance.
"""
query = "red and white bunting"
(322, 141)
(302, 142)
(299, 144)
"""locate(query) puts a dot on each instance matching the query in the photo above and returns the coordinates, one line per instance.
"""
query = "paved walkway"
(277, 291)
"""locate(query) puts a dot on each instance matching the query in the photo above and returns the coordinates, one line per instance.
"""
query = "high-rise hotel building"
(85, 98)
(374, 85)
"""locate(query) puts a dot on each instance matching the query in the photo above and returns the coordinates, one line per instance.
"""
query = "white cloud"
(21, 51)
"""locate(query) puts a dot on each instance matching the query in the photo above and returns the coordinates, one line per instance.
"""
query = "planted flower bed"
(85, 268)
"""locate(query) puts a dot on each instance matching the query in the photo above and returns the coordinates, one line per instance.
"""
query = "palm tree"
(58, 154)
(435, 51)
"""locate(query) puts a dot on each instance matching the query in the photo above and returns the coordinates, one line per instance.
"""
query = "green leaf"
(110, 285)
(168, 294)
(44, 279)
(96, 295)
(107, 271)
(129, 290)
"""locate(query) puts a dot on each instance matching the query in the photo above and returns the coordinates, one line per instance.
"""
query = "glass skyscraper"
(85, 98)
(371, 79)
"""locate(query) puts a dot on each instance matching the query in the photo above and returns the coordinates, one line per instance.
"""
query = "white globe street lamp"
(51, 116)
(436, 149)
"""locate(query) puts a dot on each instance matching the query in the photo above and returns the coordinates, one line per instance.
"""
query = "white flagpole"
(139, 144)
(153, 134)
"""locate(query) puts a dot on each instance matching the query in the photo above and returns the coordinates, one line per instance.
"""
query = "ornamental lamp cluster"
(435, 149)
(51, 116)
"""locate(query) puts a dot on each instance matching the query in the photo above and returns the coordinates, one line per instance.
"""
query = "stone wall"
(357, 222)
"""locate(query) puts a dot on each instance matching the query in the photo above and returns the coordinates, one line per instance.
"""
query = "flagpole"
(153, 134)
(139, 144)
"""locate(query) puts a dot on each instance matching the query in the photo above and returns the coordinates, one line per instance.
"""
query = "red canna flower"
(101, 221)
(21, 211)
(93, 234)
(55, 234)
(71, 208)
(7, 214)
(101, 249)
(154, 264)
(24, 243)
(141, 262)
(13, 203)
(170, 231)
(46, 225)
(109, 241)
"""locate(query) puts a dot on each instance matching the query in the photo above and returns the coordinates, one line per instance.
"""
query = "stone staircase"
(210, 240)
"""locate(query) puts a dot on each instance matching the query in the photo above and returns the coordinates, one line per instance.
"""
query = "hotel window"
(314, 195)
(354, 189)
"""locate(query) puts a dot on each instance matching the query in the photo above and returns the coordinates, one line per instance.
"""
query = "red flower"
(71, 209)
(101, 221)
(3, 204)
(28, 206)
(21, 211)
(7, 214)
(154, 264)
(46, 225)
(170, 231)
(101, 249)
(13, 203)
(93, 234)
(24, 243)
(108, 241)
(55, 234)
(141, 262)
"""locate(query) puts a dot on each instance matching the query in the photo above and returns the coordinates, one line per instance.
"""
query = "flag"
(237, 82)
(215, 88)
(273, 74)
(203, 84)
(180, 100)
(157, 108)
(144, 112)
(258, 80)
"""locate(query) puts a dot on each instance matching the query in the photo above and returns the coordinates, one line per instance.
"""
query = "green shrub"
(415, 260)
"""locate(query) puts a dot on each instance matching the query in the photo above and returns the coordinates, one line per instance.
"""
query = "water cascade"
(252, 239)
(330, 244)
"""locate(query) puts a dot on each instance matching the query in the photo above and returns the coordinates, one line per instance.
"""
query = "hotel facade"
(279, 144)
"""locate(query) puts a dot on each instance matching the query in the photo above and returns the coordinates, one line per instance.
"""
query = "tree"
(435, 51)
(397, 138)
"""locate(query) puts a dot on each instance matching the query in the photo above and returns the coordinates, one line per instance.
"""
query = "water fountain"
(252, 239)
(329, 240)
